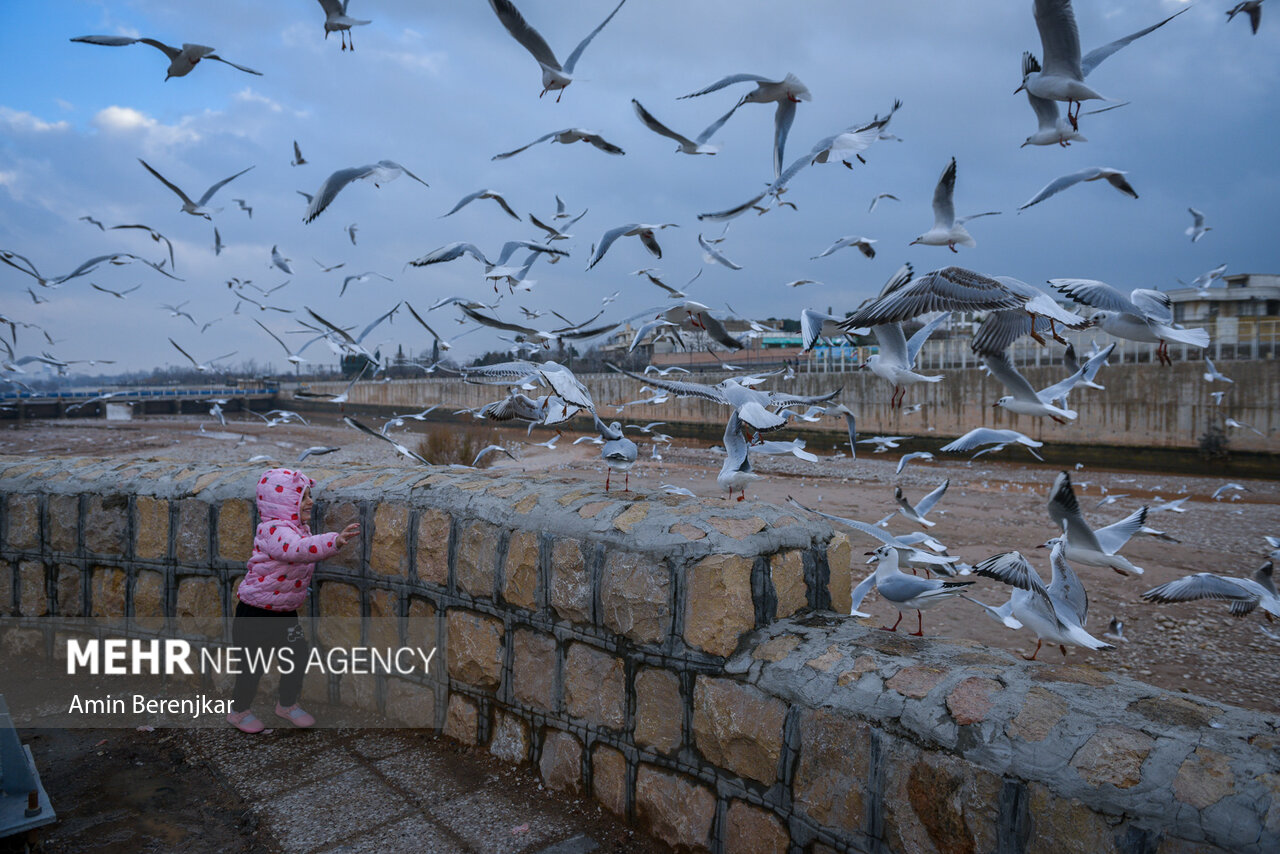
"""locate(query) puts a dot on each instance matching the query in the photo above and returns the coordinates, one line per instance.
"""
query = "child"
(284, 556)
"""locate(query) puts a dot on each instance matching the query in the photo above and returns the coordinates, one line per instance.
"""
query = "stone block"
(148, 600)
(64, 523)
(7, 571)
(337, 516)
(107, 588)
(191, 544)
(676, 809)
(389, 549)
(1040, 713)
(659, 710)
(787, 571)
(751, 830)
(475, 648)
(235, 530)
(520, 584)
(561, 762)
(1114, 754)
(359, 691)
(776, 649)
(635, 593)
(412, 704)
(570, 585)
(199, 607)
(915, 681)
(938, 802)
(718, 607)
(432, 556)
(835, 753)
(339, 607)
(1061, 824)
(22, 514)
(1204, 778)
(151, 528)
(510, 741)
(384, 622)
(70, 596)
(609, 778)
(106, 521)
(840, 567)
(533, 668)
(595, 686)
(462, 719)
(33, 593)
(420, 630)
(971, 699)
(738, 727)
(477, 559)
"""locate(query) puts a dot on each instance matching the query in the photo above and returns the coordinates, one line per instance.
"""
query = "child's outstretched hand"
(348, 534)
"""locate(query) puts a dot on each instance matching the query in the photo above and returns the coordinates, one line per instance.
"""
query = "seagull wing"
(331, 187)
(1059, 38)
(1013, 569)
(727, 81)
(1064, 510)
(948, 289)
(607, 239)
(1003, 370)
(783, 117)
(167, 182)
(582, 45)
(1095, 57)
(526, 35)
(232, 64)
(716, 255)
(1113, 537)
(716, 330)
(944, 209)
(1206, 585)
(676, 387)
(921, 335)
(1095, 293)
(208, 194)
(659, 128)
(1057, 185)
(466, 200)
(543, 138)
(449, 253)
(184, 352)
(926, 504)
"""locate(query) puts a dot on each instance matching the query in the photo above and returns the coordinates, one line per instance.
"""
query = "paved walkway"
(350, 791)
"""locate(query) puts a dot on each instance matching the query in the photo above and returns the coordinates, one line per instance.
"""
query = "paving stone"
(609, 778)
(339, 605)
(718, 606)
(33, 592)
(561, 761)
(106, 519)
(151, 528)
(412, 834)
(1114, 754)
(736, 528)
(595, 686)
(915, 681)
(751, 830)
(108, 589)
(192, 540)
(678, 810)
(1061, 824)
(570, 586)
(477, 559)
(689, 532)
(1040, 713)
(432, 558)
(659, 710)
(148, 600)
(70, 596)
(475, 648)
(533, 668)
(1204, 778)
(64, 523)
(22, 514)
(635, 593)
(787, 571)
(493, 823)
(411, 704)
(834, 749)
(520, 584)
(632, 516)
(510, 741)
(971, 699)
(317, 814)
(389, 550)
(738, 727)
(462, 719)
(235, 530)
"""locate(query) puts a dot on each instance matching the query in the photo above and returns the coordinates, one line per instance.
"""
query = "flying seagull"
(188, 206)
(948, 229)
(181, 61)
(786, 93)
(1114, 177)
(336, 21)
(567, 136)
(555, 76)
(644, 231)
(687, 146)
(1197, 228)
(378, 173)
(484, 194)
(298, 159)
(1252, 8)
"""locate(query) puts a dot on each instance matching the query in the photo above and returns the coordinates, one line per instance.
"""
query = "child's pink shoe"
(245, 721)
(295, 715)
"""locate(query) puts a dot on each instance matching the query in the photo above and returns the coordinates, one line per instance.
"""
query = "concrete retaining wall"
(676, 659)
(1142, 405)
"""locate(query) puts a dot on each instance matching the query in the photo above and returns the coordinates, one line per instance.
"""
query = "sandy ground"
(993, 505)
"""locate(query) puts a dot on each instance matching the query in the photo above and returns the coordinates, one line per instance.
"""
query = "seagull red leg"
(894, 627)
(919, 632)
(1033, 655)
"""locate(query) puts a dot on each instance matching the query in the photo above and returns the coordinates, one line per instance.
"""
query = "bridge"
(141, 401)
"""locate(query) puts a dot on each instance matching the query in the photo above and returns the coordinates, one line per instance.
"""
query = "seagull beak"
(995, 405)
(1020, 88)
(1043, 546)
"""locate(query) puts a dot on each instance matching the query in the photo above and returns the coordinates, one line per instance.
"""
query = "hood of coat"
(280, 494)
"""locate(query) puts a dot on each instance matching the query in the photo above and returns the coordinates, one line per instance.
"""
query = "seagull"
(909, 591)
(86, 267)
(298, 159)
(1115, 631)
(1114, 177)
(554, 75)
(93, 221)
(1217, 397)
(851, 425)
(553, 233)
(351, 232)
(712, 255)
(1231, 422)
(1197, 228)
(566, 136)
(1214, 374)
(485, 194)
(278, 260)
(377, 173)
(919, 511)
(1091, 366)
(875, 201)
(618, 452)
(988, 436)
(217, 242)
(1056, 613)
(687, 146)
(1062, 78)
(567, 387)
(317, 451)
(795, 447)
(1244, 594)
(671, 489)
(1175, 506)
(336, 21)
(1217, 493)
(736, 471)
(1203, 282)
(343, 397)
(914, 455)
(353, 346)
(849, 144)
(202, 367)
(787, 93)
(181, 61)
(487, 450)
(1252, 8)
(176, 311)
(750, 404)
(1145, 315)
(1039, 314)
(798, 282)
(948, 230)
(1085, 545)
(188, 206)
(292, 357)
(413, 455)
(862, 244)
(1024, 399)
(244, 207)
(121, 294)
(645, 231)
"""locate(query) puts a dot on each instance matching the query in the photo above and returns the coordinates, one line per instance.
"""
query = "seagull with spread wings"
(376, 173)
(188, 206)
(948, 229)
(181, 60)
(567, 136)
(337, 21)
(555, 76)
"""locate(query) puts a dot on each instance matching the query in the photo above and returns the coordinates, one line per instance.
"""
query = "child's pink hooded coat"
(284, 550)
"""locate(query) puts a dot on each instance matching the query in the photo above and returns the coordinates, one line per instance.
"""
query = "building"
(1247, 295)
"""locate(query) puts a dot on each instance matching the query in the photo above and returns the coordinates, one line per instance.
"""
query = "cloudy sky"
(442, 87)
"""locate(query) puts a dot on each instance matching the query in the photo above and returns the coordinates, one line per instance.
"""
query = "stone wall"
(679, 660)
(1143, 405)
